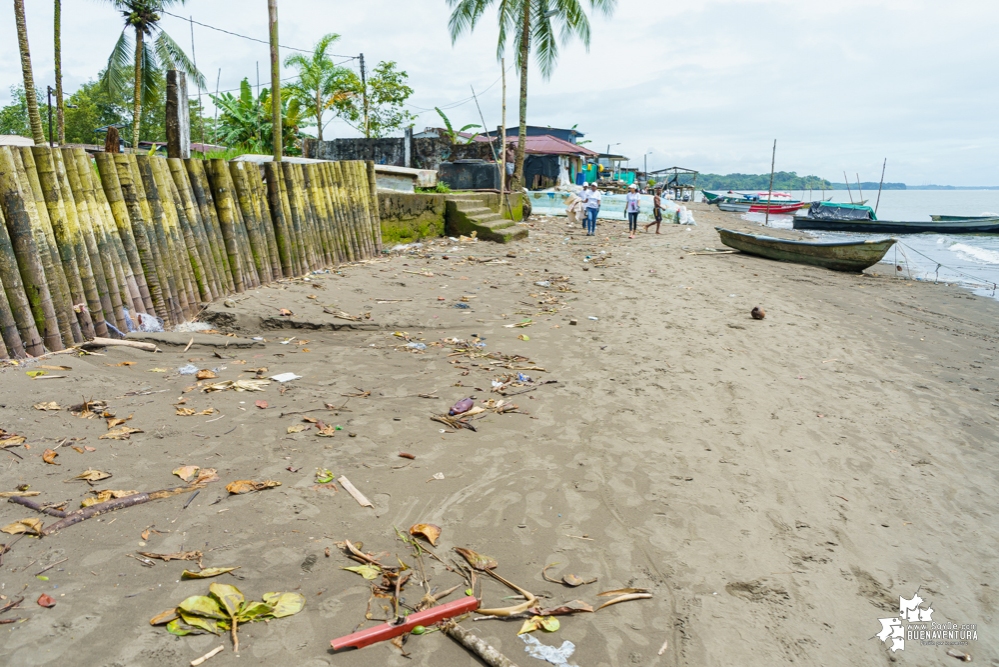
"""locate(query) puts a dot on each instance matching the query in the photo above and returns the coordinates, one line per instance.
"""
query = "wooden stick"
(106, 342)
(352, 490)
(210, 654)
(76, 517)
(38, 507)
(484, 651)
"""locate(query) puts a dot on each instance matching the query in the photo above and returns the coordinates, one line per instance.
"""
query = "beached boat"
(835, 255)
(775, 207)
(862, 220)
(952, 218)
(734, 206)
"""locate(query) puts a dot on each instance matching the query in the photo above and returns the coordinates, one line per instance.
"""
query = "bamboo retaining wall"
(88, 247)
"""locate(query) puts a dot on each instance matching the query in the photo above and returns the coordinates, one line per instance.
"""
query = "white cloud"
(841, 85)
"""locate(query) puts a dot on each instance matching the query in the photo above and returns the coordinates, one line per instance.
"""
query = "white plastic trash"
(556, 656)
(286, 377)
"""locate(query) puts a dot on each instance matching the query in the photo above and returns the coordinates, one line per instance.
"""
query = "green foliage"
(322, 85)
(451, 134)
(783, 180)
(441, 188)
(245, 121)
(14, 116)
(387, 93)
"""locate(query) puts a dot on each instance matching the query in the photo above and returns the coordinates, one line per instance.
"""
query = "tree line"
(783, 180)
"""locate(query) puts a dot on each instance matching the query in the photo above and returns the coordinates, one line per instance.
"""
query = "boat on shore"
(862, 220)
(734, 206)
(835, 255)
(775, 207)
(952, 218)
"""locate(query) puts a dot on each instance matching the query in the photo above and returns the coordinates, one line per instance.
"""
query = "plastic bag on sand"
(417, 346)
(192, 327)
(190, 369)
(556, 656)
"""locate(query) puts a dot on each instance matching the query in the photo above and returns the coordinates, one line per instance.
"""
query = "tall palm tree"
(29, 79)
(530, 23)
(142, 62)
(322, 84)
(60, 103)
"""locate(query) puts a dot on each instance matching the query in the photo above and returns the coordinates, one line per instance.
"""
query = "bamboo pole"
(376, 217)
(185, 253)
(101, 259)
(188, 229)
(353, 205)
(226, 212)
(110, 298)
(209, 214)
(312, 240)
(161, 229)
(280, 219)
(250, 275)
(297, 217)
(131, 192)
(258, 240)
(339, 218)
(9, 330)
(343, 197)
(324, 191)
(130, 285)
(69, 328)
(261, 201)
(290, 229)
(22, 276)
(322, 215)
(193, 212)
(46, 161)
(364, 207)
(112, 189)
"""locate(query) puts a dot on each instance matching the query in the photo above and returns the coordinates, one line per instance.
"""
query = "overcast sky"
(707, 85)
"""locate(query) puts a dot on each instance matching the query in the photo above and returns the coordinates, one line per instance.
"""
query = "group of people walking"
(591, 199)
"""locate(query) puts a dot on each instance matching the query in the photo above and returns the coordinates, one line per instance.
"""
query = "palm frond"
(150, 76)
(544, 41)
(605, 7)
(117, 74)
(171, 56)
(465, 15)
(508, 13)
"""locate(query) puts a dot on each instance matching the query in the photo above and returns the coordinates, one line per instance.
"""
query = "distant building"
(570, 135)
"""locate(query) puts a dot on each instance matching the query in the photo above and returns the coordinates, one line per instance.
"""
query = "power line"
(252, 39)
(455, 105)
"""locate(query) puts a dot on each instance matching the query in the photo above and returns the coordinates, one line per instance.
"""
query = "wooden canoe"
(734, 206)
(952, 218)
(836, 255)
(960, 226)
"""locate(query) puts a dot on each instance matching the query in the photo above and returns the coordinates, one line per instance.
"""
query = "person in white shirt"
(632, 204)
(583, 195)
(592, 209)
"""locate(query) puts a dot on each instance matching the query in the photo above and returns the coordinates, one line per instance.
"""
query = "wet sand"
(775, 484)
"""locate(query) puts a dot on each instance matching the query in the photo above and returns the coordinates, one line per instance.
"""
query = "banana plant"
(454, 136)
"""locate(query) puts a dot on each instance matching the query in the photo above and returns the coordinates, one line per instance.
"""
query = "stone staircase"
(467, 213)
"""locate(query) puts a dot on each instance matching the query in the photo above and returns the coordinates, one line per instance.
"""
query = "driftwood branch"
(107, 342)
(484, 651)
(38, 507)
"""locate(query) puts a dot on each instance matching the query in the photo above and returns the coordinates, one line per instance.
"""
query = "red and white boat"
(775, 206)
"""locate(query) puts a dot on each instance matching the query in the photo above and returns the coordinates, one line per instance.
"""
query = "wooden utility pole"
(272, 15)
(60, 105)
(364, 97)
(770, 191)
(501, 138)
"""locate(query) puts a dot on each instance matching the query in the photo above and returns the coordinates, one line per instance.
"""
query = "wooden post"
(272, 16)
(878, 202)
(178, 116)
(770, 191)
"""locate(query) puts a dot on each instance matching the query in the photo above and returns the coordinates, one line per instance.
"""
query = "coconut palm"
(140, 62)
(529, 23)
(322, 84)
(34, 117)
(57, 43)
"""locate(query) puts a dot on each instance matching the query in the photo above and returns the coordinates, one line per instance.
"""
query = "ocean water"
(969, 260)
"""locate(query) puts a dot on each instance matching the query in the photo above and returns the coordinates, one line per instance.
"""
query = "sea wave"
(979, 255)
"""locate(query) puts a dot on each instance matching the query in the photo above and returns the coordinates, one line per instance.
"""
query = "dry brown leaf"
(10, 440)
(205, 476)
(180, 555)
(298, 428)
(50, 406)
(106, 495)
(78, 450)
(124, 363)
(246, 486)
(117, 422)
(120, 433)
(49, 456)
(206, 374)
(185, 412)
(187, 473)
(477, 560)
(93, 475)
(573, 607)
(29, 526)
(623, 591)
(625, 598)
(427, 531)
(164, 618)
(56, 368)
(327, 431)
(206, 572)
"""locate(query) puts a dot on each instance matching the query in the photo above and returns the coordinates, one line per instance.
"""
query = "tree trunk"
(137, 102)
(272, 15)
(29, 79)
(319, 116)
(525, 50)
(60, 105)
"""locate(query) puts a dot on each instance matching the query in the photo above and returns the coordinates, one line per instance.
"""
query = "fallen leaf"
(284, 312)
(261, 404)
(106, 495)
(284, 604)
(206, 573)
(623, 591)
(298, 428)
(187, 473)
(184, 412)
(237, 385)
(476, 560)
(574, 607)
(327, 431)
(49, 456)
(11, 440)
(116, 422)
(89, 448)
(180, 555)
(206, 374)
(78, 450)
(427, 531)
(46, 601)
(124, 363)
(93, 475)
(120, 433)
(246, 486)
(35, 374)
(164, 618)
(206, 476)
(50, 406)
(524, 337)
(625, 598)
(29, 526)
(367, 571)
(573, 581)
(56, 368)
(157, 370)
(546, 623)
(324, 476)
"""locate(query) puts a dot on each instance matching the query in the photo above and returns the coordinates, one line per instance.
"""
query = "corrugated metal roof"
(548, 145)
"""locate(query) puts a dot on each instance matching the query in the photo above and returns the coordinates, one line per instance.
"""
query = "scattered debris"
(352, 490)
(246, 486)
(758, 313)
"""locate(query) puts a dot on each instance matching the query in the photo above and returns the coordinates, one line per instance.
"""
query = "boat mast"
(879, 186)
(859, 190)
(770, 191)
(848, 186)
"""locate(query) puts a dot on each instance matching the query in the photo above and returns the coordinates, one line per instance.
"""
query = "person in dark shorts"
(657, 210)
(633, 203)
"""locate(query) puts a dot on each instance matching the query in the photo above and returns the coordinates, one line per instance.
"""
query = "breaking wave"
(980, 255)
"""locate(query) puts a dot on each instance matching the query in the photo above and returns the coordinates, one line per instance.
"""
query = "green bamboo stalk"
(323, 190)
(182, 190)
(25, 253)
(177, 237)
(132, 295)
(276, 203)
(45, 167)
(261, 201)
(340, 191)
(110, 298)
(376, 216)
(347, 194)
(258, 239)
(202, 192)
(225, 208)
(157, 241)
(132, 193)
(111, 187)
(199, 272)
(9, 329)
(307, 241)
(365, 197)
(359, 200)
(311, 217)
(315, 202)
(324, 216)
(69, 328)
(331, 189)
(250, 275)
(297, 217)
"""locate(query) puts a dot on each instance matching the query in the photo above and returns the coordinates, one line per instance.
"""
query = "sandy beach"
(775, 484)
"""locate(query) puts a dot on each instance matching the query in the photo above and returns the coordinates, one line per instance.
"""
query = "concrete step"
(468, 217)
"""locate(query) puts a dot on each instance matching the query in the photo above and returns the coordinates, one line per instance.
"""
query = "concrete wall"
(426, 153)
(410, 217)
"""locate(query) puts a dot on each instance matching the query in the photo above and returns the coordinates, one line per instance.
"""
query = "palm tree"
(60, 103)
(321, 83)
(530, 22)
(143, 62)
(29, 79)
